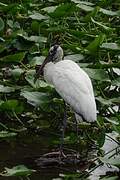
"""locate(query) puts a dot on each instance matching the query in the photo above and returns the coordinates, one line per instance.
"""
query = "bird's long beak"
(39, 72)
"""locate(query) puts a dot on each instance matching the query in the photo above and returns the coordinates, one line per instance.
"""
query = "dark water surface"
(26, 149)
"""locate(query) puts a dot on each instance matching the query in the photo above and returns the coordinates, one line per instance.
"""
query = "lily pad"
(7, 134)
(19, 170)
(6, 89)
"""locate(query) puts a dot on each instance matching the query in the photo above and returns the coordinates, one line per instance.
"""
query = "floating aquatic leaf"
(113, 161)
(19, 170)
(101, 137)
(37, 99)
(40, 84)
(116, 82)
(83, 2)
(95, 44)
(97, 74)
(111, 46)
(49, 9)
(38, 16)
(101, 25)
(1, 24)
(63, 10)
(11, 105)
(16, 73)
(108, 12)
(7, 134)
(6, 89)
(110, 178)
(85, 7)
(75, 57)
(18, 57)
(36, 39)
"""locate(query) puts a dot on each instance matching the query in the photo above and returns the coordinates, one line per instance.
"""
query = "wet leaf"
(101, 25)
(16, 73)
(75, 57)
(63, 10)
(105, 101)
(7, 134)
(108, 12)
(6, 89)
(19, 170)
(97, 74)
(116, 82)
(37, 99)
(101, 137)
(95, 44)
(38, 16)
(49, 9)
(1, 24)
(110, 178)
(16, 58)
(83, 2)
(11, 105)
(113, 161)
(111, 46)
(85, 7)
(39, 83)
(37, 39)
(112, 120)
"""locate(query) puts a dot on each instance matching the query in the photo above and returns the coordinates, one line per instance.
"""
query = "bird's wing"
(75, 87)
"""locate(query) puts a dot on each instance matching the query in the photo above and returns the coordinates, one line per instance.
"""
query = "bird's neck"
(48, 72)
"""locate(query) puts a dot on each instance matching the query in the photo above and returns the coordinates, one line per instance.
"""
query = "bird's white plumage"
(74, 86)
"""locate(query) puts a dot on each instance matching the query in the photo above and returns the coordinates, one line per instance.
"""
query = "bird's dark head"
(55, 54)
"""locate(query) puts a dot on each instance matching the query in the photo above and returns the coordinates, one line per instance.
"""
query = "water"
(26, 149)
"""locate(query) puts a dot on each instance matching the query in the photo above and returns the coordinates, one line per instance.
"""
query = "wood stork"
(71, 82)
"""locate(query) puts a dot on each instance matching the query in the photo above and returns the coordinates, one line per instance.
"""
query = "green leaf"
(75, 57)
(11, 105)
(39, 83)
(104, 101)
(116, 82)
(97, 74)
(7, 134)
(110, 178)
(101, 25)
(2, 25)
(112, 120)
(16, 73)
(37, 60)
(95, 44)
(115, 161)
(38, 16)
(2, 4)
(19, 170)
(85, 7)
(101, 137)
(49, 9)
(63, 10)
(108, 12)
(37, 39)
(15, 58)
(111, 46)
(83, 2)
(37, 99)
(6, 89)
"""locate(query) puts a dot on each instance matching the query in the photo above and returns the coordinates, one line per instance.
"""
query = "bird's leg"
(76, 123)
(64, 123)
